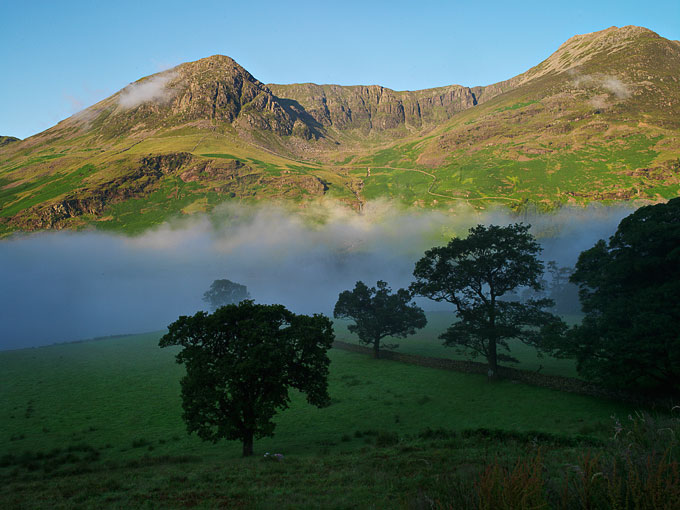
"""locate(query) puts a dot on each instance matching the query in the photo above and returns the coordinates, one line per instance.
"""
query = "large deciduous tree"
(377, 313)
(474, 273)
(240, 363)
(225, 292)
(630, 292)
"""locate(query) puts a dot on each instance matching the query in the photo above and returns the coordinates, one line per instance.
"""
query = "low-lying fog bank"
(63, 286)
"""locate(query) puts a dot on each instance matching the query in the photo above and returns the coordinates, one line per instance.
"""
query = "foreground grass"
(406, 474)
(98, 423)
(436, 469)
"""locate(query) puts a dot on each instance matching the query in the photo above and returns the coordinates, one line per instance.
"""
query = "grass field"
(98, 424)
(125, 391)
(428, 472)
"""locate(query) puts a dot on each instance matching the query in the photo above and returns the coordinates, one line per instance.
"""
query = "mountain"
(598, 120)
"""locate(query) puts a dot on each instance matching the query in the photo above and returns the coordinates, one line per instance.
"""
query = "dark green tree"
(240, 363)
(473, 274)
(225, 292)
(377, 313)
(630, 292)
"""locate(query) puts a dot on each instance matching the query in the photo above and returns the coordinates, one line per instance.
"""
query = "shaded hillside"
(596, 121)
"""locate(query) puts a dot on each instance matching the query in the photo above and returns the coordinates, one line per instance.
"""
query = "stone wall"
(554, 382)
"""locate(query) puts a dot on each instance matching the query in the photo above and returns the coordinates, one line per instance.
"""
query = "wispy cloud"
(611, 83)
(616, 86)
(154, 88)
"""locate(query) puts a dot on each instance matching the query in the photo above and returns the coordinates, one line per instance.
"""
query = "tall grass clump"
(637, 469)
(516, 488)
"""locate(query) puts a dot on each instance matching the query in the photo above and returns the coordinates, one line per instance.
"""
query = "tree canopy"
(240, 363)
(225, 292)
(473, 274)
(630, 292)
(377, 313)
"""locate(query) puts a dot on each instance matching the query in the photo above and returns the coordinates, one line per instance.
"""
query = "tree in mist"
(225, 292)
(474, 274)
(560, 275)
(562, 291)
(240, 363)
(630, 292)
(377, 313)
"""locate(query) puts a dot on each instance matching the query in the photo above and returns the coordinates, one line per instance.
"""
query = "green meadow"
(505, 172)
(98, 423)
(126, 389)
(40, 190)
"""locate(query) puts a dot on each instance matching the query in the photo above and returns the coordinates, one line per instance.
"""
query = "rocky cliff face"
(376, 108)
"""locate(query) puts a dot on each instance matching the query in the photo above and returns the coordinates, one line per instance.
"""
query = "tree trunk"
(248, 443)
(493, 361)
(492, 374)
(376, 348)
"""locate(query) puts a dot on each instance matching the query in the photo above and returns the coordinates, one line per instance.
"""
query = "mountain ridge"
(604, 104)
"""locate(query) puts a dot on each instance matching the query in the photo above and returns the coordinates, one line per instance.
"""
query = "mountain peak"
(214, 61)
(212, 91)
(217, 57)
(581, 48)
(611, 38)
(593, 50)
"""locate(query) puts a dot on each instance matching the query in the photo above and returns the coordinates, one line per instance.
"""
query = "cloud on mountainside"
(610, 83)
(61, 286)
(150, 89)
(616, 86)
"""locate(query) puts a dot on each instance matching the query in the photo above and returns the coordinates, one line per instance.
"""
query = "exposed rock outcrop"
(376, 108)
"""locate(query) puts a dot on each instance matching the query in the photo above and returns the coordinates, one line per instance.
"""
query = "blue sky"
(59, 57)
